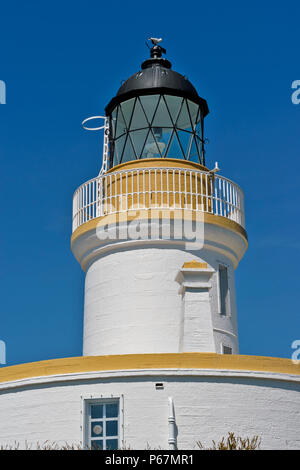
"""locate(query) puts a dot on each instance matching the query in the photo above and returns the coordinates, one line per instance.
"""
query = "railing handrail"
(227, 202)
(209, 173)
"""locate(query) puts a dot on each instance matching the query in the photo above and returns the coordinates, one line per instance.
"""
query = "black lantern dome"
(157, 113)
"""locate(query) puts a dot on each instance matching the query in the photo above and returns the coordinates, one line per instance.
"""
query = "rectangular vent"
(159, 386)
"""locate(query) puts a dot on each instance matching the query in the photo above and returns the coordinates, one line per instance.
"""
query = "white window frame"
(228, 306)
(86, 401)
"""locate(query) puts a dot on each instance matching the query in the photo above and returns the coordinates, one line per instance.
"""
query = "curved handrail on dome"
(158, 188)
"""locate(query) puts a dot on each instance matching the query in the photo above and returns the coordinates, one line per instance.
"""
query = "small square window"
(102, 424)
(227, 350)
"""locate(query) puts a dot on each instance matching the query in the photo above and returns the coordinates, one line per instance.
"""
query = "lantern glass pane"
(174, 104)
(194, 114)
(126, 111)
(174, 148)
(162, 116)
(149, 104)
(118, 150)
(128, 153)
(193, 155)
(153, 148)
(156, 126)
(185, 141)
(120, 123)
(184, 121)
(138, 138)
(139, 120)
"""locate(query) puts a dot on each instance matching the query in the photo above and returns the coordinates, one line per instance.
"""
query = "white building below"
(212, 395)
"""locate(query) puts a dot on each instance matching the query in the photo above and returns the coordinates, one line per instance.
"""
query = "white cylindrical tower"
(158, 234)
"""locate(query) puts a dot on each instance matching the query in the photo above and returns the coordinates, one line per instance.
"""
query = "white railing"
(158, 188)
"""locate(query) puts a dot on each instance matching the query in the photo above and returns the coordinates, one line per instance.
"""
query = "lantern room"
(157, 113)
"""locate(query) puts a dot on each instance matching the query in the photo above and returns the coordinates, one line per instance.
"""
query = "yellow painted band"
(159, 163)
(194, 264)
(149, 361)
(205, 217)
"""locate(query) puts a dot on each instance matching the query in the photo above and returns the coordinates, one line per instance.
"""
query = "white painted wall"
(208, 404)
(133, 302)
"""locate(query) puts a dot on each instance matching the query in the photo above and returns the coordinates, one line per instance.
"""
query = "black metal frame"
(194, 136)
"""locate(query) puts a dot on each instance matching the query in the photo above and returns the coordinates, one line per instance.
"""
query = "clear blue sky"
(63, 61)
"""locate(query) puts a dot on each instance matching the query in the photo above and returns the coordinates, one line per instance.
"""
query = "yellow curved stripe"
(206, 218)
(149, 361)
(158, 163)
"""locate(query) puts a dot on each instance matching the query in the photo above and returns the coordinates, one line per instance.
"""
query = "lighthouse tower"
(157, 233)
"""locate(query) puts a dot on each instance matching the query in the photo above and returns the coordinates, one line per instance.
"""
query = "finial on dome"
(156, 50)
(156, 53)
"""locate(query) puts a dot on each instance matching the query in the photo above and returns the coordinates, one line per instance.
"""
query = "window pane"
(152, 149)
(174, 149)
(97, 445)
(223, 279)
(114, 122)
(186, 140)
(120, 124)
(138, 139)
(128, 153)
(139, 120)
(112, 410)
(194, 152)
(195, 116)
(184, 121)
(127, 107)
(162, 116)
(149, 104)
(112, 444)
(165, 137)
(119, 145)
(96, 411)
(174, 104)
(97, 428)
(198, 128)
(111, 428)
